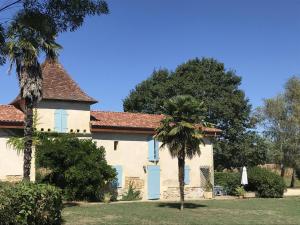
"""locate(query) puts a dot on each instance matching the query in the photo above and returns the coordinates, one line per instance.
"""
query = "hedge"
(30, 204)
(262, 181)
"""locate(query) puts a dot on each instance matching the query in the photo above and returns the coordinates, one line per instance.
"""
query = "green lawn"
(226, 212)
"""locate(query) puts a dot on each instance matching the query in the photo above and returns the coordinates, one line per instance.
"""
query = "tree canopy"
(50, 17)
(225, 105)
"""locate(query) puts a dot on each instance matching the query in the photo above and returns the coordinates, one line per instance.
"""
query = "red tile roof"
(125, 120)
(10, 115)
(100, 119)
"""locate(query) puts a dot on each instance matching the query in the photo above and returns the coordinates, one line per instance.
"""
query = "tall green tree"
(281, 119)
(33, 31)
(226, 105)
(180, 133)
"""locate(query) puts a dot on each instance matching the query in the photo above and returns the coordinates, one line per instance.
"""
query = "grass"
(217, 212)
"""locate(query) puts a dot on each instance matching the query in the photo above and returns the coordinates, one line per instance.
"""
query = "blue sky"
(109, 55)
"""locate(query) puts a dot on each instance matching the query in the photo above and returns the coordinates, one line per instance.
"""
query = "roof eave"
(72, 100)
(141, 130)
(11, 125)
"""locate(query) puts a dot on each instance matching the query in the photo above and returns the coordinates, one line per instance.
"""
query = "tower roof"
(58, 84)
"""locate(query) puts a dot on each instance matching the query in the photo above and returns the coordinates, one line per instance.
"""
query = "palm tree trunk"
(28, 133)
(181, 162)
(293, 178)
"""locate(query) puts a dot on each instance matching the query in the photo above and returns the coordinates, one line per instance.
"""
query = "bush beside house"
(30, 204)
(77, 166)
(266, 183)
(262, 181)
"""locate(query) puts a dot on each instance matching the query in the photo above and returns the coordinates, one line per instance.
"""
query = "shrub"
(75, 165)
(229, 180)
(267, 184)
(107, 197)
(28, 203)
(240, 191)
(132, 194)
(5, 184)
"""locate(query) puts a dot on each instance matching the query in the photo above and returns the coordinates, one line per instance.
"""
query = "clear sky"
(109, 55)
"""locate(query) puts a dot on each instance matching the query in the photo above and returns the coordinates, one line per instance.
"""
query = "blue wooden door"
(153, 182)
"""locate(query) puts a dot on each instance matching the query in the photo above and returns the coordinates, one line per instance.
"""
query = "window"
(60, 121)
(205, 176)
(116, 145)
(153, 150)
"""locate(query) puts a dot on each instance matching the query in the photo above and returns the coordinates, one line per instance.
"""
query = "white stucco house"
(127, 138)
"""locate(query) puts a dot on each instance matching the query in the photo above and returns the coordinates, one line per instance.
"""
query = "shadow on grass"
(70, 204)
(176, 205)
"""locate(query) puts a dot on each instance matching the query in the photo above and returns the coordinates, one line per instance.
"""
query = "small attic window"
(78, 130)
(49, 130)
(71, 130)
(84, 131)
(42, 129)
(116, 145)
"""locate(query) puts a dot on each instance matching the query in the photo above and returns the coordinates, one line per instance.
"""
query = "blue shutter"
(151, 150)
(57, 121)
(187, 175)
(119, 175)
(64, 121)
(156, 150)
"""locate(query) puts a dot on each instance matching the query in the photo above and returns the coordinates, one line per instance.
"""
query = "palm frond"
(178, 131)
(16, 143)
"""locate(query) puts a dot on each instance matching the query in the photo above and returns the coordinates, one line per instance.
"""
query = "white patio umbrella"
(244, 176)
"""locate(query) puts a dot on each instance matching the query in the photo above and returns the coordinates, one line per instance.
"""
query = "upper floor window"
(60, 121)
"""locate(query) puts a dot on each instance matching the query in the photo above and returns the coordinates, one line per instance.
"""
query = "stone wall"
(14, 178)
(137, 183)
(276, 168)
(172, 193)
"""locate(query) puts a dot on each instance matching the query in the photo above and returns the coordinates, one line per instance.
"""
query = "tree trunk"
(282, 173)
(28, 133)
(293, 178)
(181, 162)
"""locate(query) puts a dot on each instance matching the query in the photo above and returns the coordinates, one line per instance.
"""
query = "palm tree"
(26, 40)
(181, 132)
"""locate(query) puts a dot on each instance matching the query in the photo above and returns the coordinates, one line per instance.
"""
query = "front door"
(153, 182)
